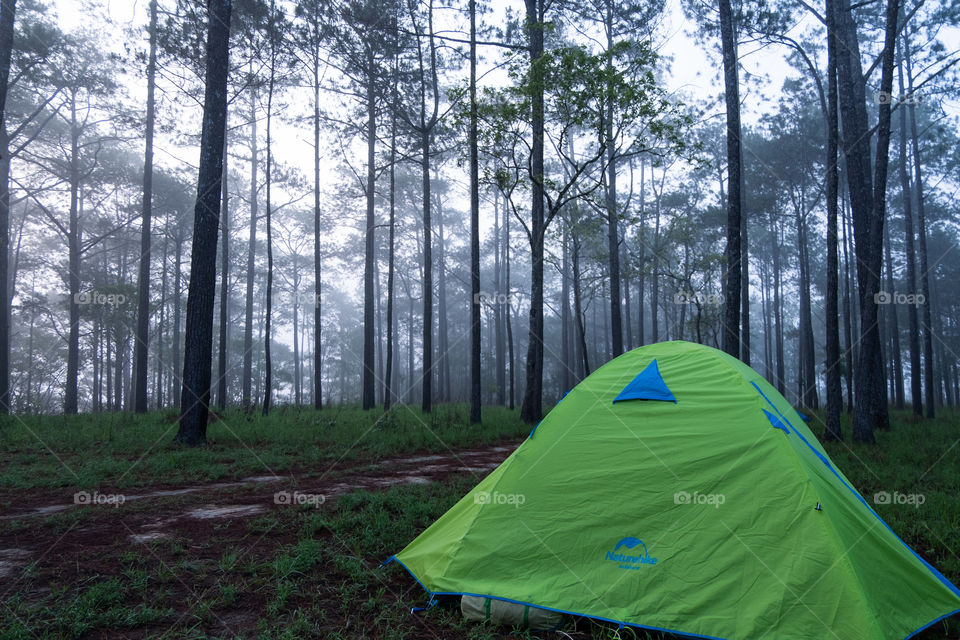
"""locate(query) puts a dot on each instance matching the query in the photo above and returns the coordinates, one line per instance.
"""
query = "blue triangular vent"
(648, 385)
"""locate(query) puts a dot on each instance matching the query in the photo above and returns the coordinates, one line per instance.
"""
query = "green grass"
(913, 458)
(128, 450)
(315, 571)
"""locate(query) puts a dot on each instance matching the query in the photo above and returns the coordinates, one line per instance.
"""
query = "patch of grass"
(129, 450)
(315, 572)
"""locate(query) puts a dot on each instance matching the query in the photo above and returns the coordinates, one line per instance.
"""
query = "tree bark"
(247, 372)
(369, 389)
(924, 275)
(831, 312)
(916, 392)
(143, 286)
(475, 382)
(731, 322)
(532, 408)
(224, 280)
(195, 394)
(317, 258)
(268, 320)
(7, 17)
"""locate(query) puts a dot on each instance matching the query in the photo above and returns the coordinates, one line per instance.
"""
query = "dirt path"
(166, 511)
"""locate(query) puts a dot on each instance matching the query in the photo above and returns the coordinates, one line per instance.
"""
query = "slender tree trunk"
(475, 382)
(566, 382)
(247, 373)
(177, 315)
(427, 395)
(443, 335)
(369, 396)
(641, 230)
(143, 286)
(7, 17)
(613, 222)
(509, 310)
(499, 311)
(578, 309)
(924, 275)
(532, 408)
(731, 322)
(893, 327)
(317, 258)
(195, 395)
(268, 320)
(849, 346)
(778, 308)
(70, 403)
(831, 312)
(388, 378)
(161, 324)
(916, 393)
(224, 281)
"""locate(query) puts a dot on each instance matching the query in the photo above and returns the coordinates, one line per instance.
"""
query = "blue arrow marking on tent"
(648, 385)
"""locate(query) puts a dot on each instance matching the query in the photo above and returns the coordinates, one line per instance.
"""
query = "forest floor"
(296, 553)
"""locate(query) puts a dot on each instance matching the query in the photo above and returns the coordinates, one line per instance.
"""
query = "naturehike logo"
(630, 561)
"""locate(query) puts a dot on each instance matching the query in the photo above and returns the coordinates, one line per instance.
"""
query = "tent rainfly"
(675, 489)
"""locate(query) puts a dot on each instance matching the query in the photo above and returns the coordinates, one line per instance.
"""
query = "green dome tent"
(675, 489)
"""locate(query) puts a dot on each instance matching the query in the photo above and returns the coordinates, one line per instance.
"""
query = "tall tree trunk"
(731, 321)
(578, 310)
(224, 280)
(893, 327)
(509, 310)
(247, 373)
(655, 276)
(369, 396)
(388, 378)
(427, 395)
(832, 316)
(177, 316)
(849, 346)
(916, 393)
(744, 282)
(924, 275)
(161, 322)
(867, 199)
(317, 258)
(475, 382)
(195, 395)
(778, 307)
(143, 284)
(70, 403)
(566, 381)
(641, 231)
(613, 223)
(7, 16)
(499, 311)
(532, 408)
(268, 320)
